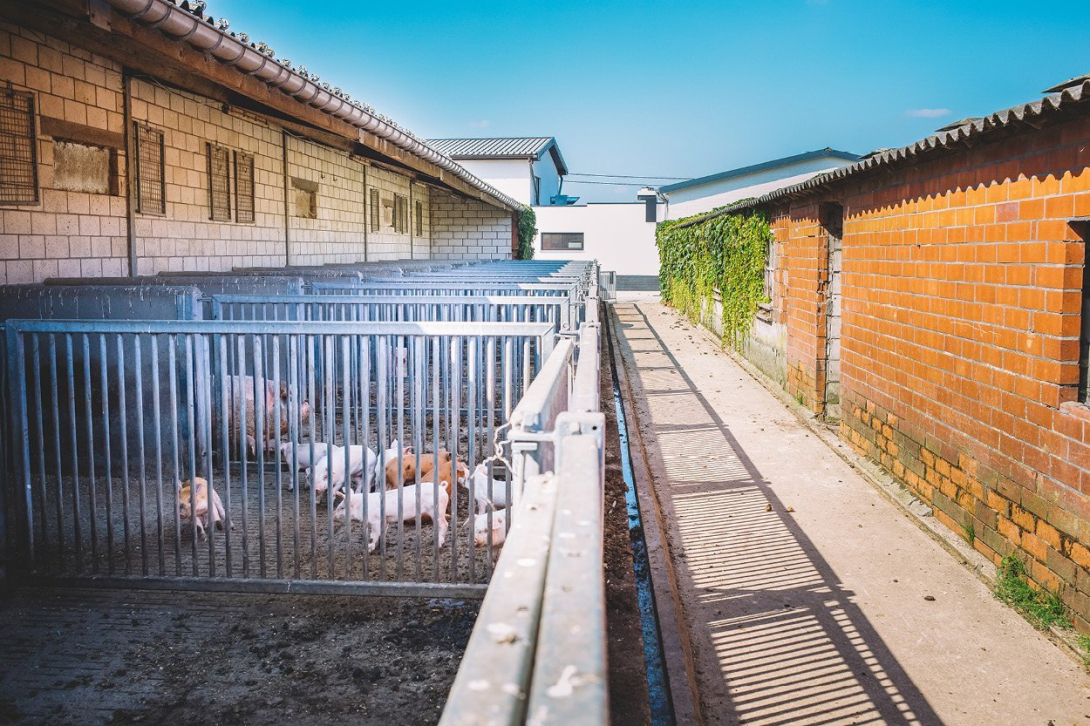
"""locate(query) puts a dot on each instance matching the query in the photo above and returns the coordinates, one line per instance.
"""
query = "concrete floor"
(808, 596)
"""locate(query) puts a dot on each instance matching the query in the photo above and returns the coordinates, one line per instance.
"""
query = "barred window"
(401, 213)
(419, 219)
(375, 218)
(18, 149)
(244, 187)
(219, 183)
(151, 195)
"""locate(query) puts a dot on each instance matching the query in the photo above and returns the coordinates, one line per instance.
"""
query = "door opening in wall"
(1082, 228)
(832, 218)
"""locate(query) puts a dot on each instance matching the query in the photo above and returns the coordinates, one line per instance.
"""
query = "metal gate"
(111, 417)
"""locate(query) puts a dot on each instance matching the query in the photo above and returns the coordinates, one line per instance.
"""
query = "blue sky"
(679, 89)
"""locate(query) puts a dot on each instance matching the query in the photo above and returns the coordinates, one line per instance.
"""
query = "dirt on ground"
(210, 659)
(629, 703)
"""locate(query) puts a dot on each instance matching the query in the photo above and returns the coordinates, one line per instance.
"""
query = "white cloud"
(927, 112)
(482, 124)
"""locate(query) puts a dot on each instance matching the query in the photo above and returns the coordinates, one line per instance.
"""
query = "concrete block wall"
(68, 233)
(185, 238)
(338, 232)
(81, 234)
(962, 286)
(467, 229)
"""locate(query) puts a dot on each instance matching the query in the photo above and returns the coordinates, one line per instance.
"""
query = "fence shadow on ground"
(792, 645)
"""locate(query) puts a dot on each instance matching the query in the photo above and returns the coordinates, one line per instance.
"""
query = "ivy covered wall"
(703, 260)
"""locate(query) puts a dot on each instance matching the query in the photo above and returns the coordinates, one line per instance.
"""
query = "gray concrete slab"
(809, 597)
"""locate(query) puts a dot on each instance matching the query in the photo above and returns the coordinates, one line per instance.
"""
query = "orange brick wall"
(962, 284)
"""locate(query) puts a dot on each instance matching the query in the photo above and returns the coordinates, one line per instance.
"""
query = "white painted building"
(528, 169)
(706, 193)
(617, 234)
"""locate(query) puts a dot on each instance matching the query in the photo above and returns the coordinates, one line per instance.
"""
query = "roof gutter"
(184, 26)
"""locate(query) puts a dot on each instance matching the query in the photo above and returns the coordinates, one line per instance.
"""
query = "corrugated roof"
(1073, 98)
(763, 166)
(512, 147)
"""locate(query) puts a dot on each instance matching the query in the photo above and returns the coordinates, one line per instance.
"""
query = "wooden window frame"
(419, 219)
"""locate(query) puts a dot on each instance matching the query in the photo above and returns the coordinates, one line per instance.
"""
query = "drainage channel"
(662, 708)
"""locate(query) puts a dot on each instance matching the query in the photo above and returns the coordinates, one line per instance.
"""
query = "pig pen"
(111, 415)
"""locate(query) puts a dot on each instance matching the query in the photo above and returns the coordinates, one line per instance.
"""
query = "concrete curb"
(673, 627)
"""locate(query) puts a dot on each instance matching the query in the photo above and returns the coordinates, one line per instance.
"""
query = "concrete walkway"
(809, 597)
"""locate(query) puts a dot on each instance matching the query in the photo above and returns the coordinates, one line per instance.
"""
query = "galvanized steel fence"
(113, 419)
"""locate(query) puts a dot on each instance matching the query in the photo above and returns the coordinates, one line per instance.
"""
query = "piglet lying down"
(498, 531)
(194, 501)
(433, 505)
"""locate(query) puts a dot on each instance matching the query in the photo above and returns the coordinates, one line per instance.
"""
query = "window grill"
(18, 149)
(151, 195)
(374, 211)
(419, 219)
(401, 214)
(219, 183)
(244, 187)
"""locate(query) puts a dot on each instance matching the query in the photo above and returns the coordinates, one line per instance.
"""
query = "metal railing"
(555, 310)
(537, 654)
(114, 417)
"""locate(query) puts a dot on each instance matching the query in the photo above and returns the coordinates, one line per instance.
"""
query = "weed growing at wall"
(527, 232)
(1041, 608)
(725, 253)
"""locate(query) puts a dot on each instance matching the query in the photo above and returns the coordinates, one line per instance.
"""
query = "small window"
(244, 187)
(374, 210)
(387, 205)
(219, 183)
(537, 190)
(305, 196)
(561, 241)
(401, 214)
(764, 308)
(82, 167)
(18, 149)
(151, 195)
(419, 219)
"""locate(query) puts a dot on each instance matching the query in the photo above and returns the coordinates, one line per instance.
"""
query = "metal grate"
(374, 211)
(401, 217)
(219, 183)
(244, 186)
(419, 219)
(18, 149)
(151, 195)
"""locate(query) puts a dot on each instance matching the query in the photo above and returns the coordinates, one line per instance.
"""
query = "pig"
(202, 514)
(332, 467)
(240, 394)
(498, 531)
(302, 454)
(443, 474)
(485, 491)
(433, 505)
(410, 467)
